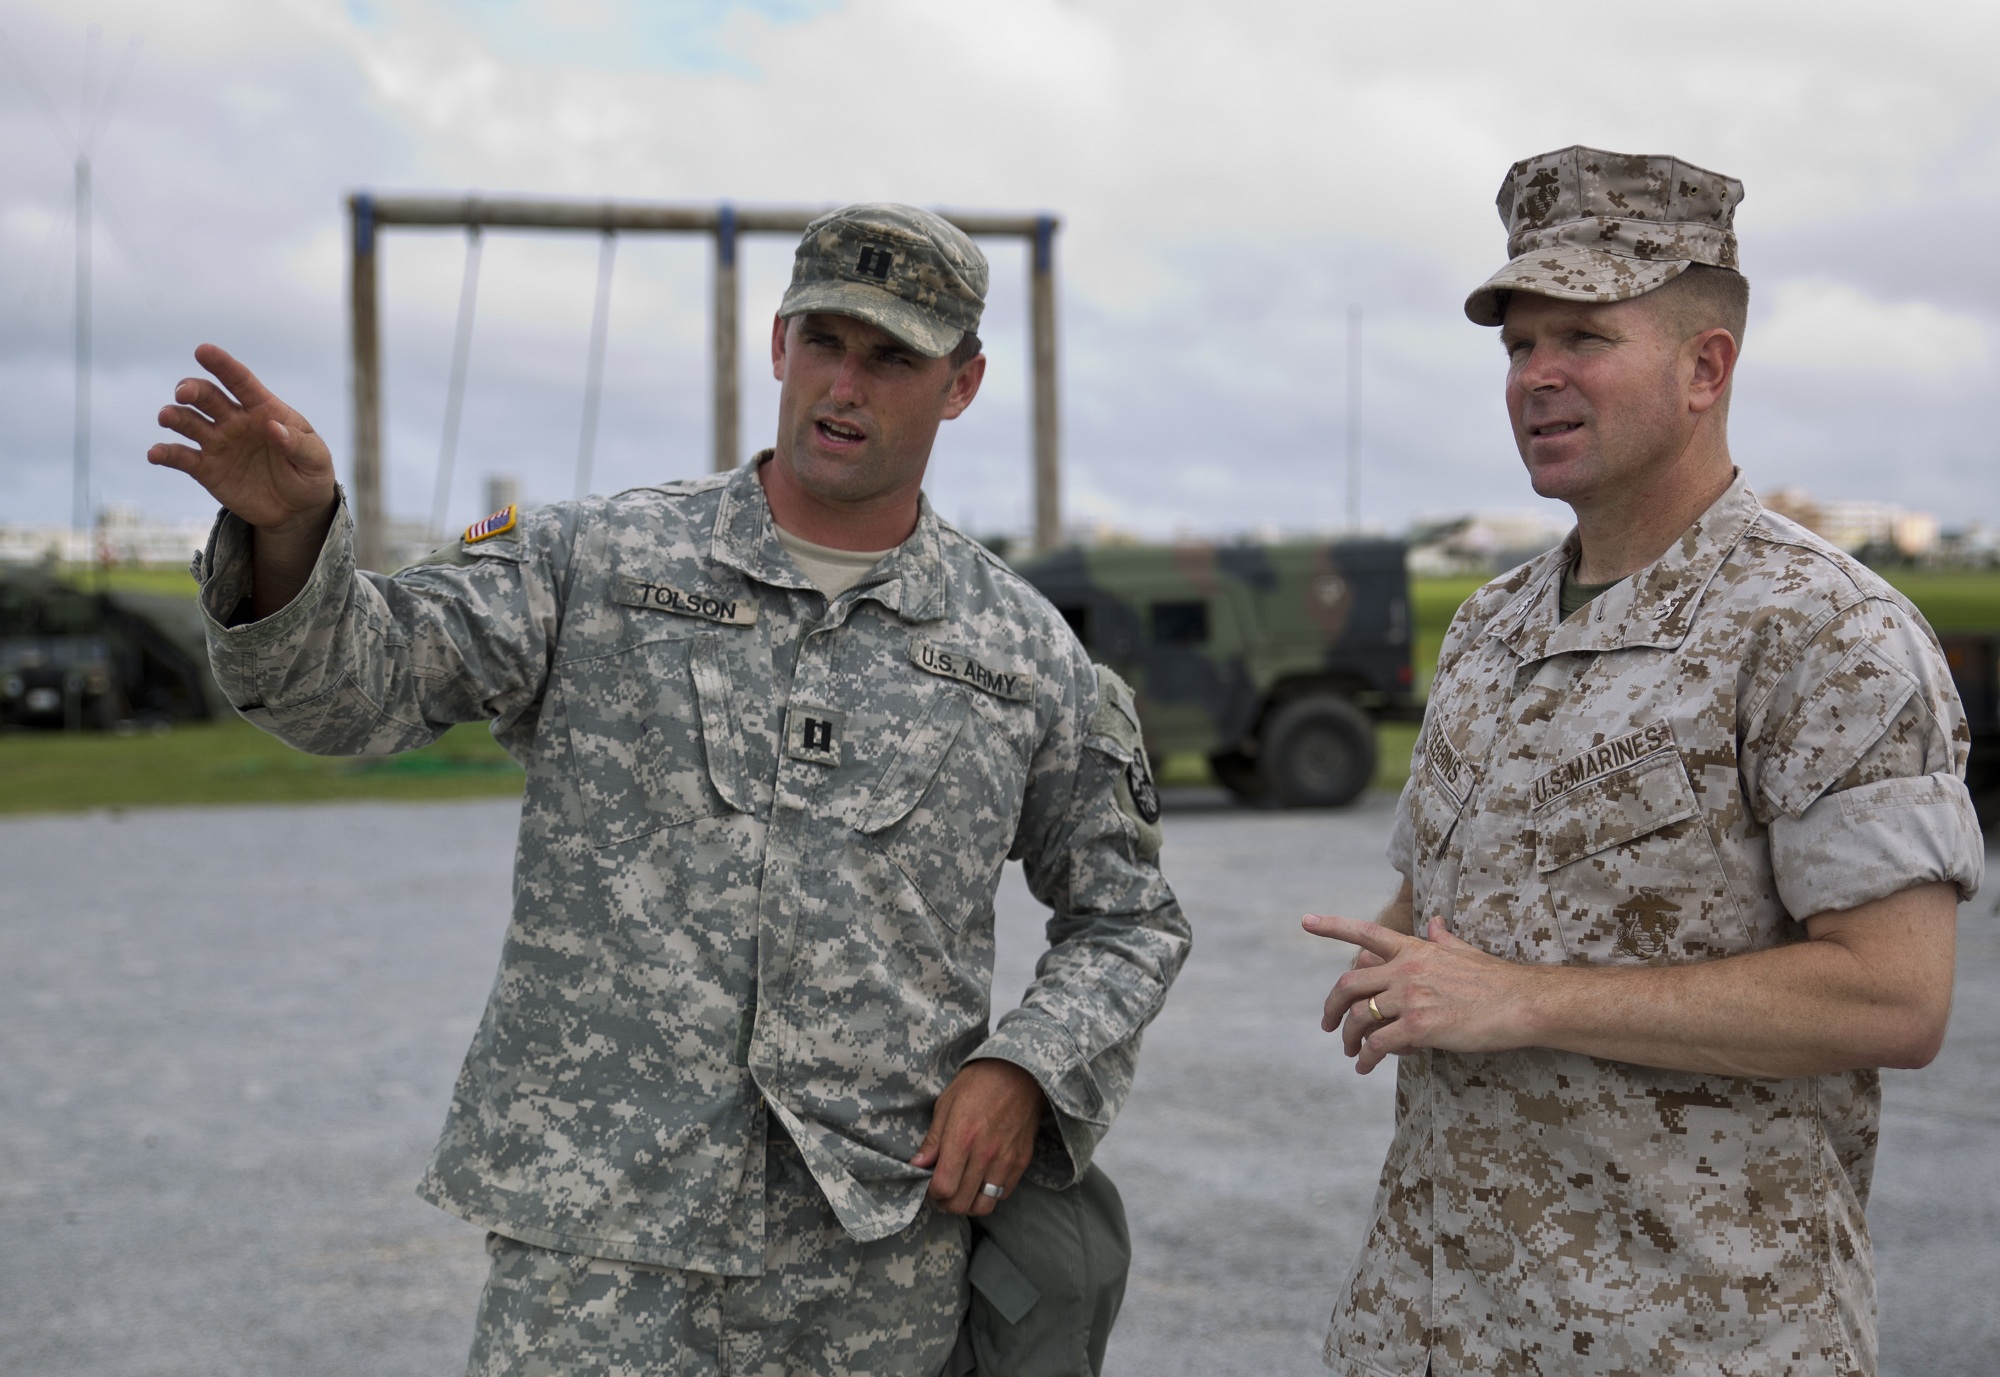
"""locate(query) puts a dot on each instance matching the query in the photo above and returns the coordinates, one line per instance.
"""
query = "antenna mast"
(80, 511)
(1354, 418)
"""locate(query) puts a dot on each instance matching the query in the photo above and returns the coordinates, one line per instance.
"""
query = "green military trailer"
(75, 659)
(1273, 661)
(1974, 657)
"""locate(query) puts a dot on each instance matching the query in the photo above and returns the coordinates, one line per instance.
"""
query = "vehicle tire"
(1238, 773)
(1318, 752)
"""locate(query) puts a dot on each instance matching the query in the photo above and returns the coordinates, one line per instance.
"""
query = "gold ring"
(1375, 1011)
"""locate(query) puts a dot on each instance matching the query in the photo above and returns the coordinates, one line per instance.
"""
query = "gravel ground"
(222, 1073)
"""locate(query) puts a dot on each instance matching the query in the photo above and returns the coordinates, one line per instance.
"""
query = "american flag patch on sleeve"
(499, 523)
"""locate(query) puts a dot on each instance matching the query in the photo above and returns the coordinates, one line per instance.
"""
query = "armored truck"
(74, 659)
(1273, 661)
(1974, 657)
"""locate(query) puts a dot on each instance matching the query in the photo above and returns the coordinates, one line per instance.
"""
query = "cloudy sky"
(1231, 178)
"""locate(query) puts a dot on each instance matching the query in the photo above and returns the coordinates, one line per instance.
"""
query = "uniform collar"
(1654, 607)
(910, 582)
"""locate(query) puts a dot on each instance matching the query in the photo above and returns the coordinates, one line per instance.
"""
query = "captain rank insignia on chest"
(813, 734)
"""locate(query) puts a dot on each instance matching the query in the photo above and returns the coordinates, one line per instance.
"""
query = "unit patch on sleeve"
(1145, 797)
(956, 664)
(731, 610)
(499, 523)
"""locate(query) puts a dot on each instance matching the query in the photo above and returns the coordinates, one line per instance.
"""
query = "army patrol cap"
(1587, 225)
(899, 268)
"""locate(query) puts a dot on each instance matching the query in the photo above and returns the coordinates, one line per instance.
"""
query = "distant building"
(1861, 525)
(127, 536)
(1976, 547)
(1482, 542)
(124, 535)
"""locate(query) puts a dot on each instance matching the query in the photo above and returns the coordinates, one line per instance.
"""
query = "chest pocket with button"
(1630, 872)
(946, 805)
(652, 739)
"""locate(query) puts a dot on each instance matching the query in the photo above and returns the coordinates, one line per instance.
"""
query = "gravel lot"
(229, 1036)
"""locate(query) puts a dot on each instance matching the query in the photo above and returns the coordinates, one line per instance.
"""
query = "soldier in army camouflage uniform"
(735, 1095)
(1685, 830)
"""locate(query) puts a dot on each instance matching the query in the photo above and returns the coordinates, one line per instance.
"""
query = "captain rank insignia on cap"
(874, 262)
(499, 523)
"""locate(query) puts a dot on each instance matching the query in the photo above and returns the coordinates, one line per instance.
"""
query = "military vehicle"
(1273, 661)
(73, 659)
(1974, 657)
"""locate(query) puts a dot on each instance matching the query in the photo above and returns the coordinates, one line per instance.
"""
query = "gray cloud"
(1231, 180)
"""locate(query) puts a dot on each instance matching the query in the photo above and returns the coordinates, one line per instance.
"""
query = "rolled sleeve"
(1866, 843)
(1862, 774)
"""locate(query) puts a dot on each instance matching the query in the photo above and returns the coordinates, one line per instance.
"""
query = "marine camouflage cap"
(1587, 225)
(905, 270)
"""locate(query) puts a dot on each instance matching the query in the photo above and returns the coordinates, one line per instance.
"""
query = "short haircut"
(965, 351)
(1703, 298)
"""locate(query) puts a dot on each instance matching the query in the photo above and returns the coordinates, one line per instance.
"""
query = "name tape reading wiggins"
(1447, 769)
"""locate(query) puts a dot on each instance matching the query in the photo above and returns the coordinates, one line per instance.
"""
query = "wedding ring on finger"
(1375, 1012)
(993, 1192)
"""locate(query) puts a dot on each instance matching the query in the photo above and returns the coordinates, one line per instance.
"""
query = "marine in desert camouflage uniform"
(735, 1094)
(1685, 831)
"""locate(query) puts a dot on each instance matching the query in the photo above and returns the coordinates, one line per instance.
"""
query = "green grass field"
(233, 762)
(150, 578)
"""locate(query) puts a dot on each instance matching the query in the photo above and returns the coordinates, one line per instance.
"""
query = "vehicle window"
(1180, 623)
(1078, 618)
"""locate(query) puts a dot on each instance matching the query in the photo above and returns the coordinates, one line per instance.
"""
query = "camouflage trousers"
(825, 1305)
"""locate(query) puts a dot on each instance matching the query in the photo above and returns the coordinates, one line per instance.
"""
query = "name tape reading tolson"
(731, 611)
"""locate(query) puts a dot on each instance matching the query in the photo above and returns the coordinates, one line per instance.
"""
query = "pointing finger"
(1368, 936)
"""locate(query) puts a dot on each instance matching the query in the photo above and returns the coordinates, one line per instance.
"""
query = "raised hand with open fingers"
(255, 455)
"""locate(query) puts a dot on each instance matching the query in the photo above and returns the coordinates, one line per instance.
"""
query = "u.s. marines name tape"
(956, 664)
(714, 607)
(1602, 760)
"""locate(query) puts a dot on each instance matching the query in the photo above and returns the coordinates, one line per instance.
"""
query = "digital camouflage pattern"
(905, 270)
(1753, 730)
(1587, 225)
(825, 1302)
(759, 845)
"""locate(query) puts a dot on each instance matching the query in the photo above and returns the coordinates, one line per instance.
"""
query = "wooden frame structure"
(369, 213)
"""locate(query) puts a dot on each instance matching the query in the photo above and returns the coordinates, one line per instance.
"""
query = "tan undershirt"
(832, 571)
